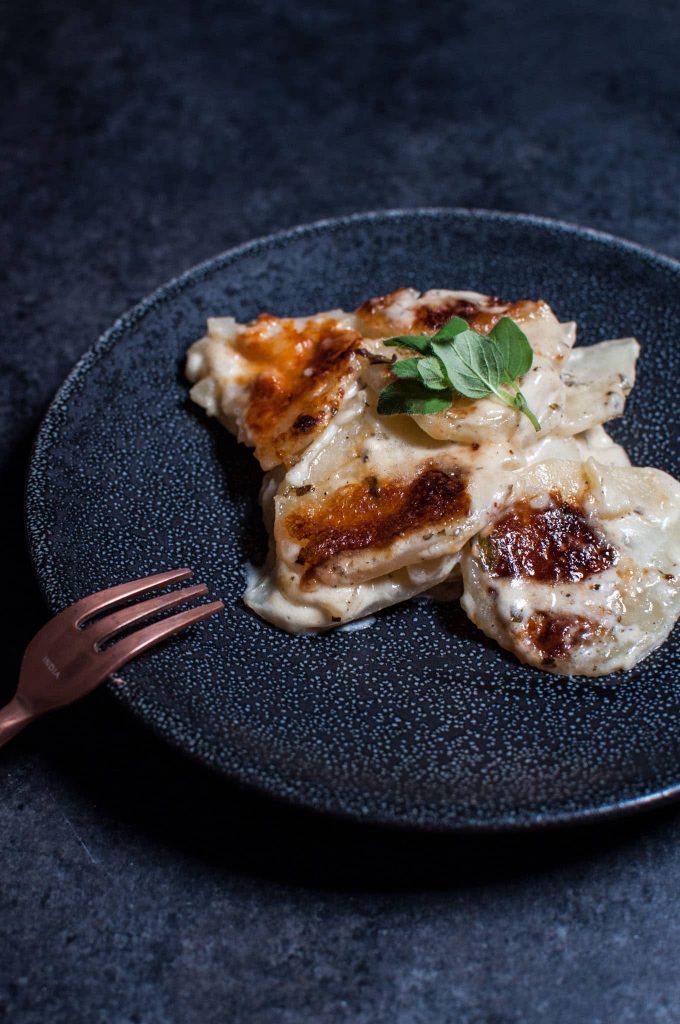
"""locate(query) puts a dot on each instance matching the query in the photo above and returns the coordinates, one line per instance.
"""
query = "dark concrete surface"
(138, 139)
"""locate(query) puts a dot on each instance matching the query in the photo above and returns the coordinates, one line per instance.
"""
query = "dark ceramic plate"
(418, 720)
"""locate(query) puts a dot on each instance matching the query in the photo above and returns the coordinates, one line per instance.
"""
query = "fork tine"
(130, 646)
(89, 606)
(112, 624)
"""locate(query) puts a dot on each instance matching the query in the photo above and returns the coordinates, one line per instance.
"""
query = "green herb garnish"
(459, 361)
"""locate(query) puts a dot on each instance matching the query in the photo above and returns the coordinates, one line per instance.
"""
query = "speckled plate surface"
(418, 720)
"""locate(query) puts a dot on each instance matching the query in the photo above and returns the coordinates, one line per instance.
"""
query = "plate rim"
(526, 820)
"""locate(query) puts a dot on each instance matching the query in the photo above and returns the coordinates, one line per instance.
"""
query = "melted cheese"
(406, 311)
(276, 382)
(542, 386)
(365, 511)
(581, 572)
(377, 569)
(597, 380)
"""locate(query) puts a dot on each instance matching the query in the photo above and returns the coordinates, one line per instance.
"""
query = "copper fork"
(66, 659)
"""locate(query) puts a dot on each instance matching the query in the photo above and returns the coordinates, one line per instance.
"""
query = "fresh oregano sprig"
(458, 360)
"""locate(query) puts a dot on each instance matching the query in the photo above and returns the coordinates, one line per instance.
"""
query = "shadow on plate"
(110, 760)
(138, 781)
(242, 479)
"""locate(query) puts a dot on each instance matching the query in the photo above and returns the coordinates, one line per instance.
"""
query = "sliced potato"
(580, 573)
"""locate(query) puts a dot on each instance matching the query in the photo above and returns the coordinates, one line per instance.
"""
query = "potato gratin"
(564, 553)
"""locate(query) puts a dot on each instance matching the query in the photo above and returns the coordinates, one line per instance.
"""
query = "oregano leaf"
(431, 372)
(406, 368)
(412, 397)
(456, 325)
(417, 342)
(473, 365)
(458, 359)
(513, 343)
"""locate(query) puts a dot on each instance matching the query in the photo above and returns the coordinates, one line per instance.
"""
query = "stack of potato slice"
(565, 554)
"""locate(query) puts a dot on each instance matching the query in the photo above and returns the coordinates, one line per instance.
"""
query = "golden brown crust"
(405, 310)
(556, 636)
(372, 317)
(429, 318)
(554, 544)
(300, 381)
(374, 514)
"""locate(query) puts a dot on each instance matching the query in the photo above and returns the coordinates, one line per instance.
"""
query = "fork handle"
(13, 718)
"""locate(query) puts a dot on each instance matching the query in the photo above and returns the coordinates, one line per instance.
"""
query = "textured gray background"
(139, 139)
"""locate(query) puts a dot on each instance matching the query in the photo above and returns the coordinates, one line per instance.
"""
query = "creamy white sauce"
(630, 606)
(357, 625)
(573, 391)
